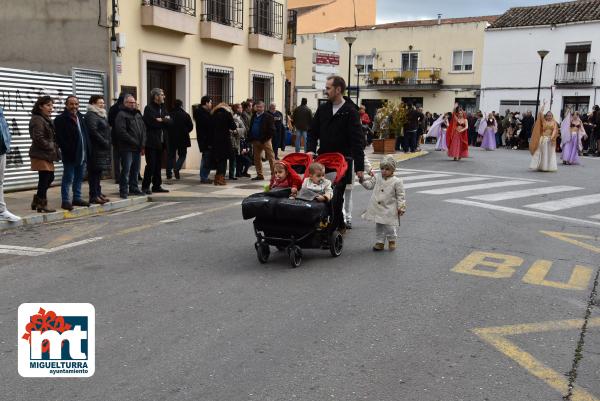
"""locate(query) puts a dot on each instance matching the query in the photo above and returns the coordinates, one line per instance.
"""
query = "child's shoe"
(378, 246)
(392, 245)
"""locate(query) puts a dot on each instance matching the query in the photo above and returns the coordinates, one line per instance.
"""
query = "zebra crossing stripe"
(424, 177)
(465, 188)
(566, 203)
(522, 212)
(500, 196)
(402, 172)
(443, 182)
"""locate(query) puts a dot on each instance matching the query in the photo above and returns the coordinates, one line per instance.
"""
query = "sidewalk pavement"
(188, 188)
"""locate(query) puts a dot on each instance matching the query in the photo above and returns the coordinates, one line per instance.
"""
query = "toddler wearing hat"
(387, 203)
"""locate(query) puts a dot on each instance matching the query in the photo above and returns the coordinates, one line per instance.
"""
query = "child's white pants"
(347, 210)
(383, 231)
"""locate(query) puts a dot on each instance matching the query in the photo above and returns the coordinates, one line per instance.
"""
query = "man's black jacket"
(341, 132)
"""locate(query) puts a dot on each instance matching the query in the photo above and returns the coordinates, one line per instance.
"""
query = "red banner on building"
(324, 58)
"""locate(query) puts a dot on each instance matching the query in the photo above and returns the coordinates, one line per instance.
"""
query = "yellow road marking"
(496, 337)
(570, 238)
(579, 280)
(75, 232)
(504, 267)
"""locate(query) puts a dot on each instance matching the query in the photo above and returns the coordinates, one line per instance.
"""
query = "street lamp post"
(542, 54)
(349, 40)
(359, 68)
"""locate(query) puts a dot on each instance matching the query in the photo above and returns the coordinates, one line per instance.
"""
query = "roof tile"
(557, 13)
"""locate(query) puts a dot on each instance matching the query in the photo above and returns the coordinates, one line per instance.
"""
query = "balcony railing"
(575, 74)
(292, 26)
(398, 77)
(224, 12)
(266, 18)
(182, 6)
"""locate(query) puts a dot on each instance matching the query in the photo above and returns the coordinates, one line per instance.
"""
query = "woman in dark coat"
(222, 148)
(43, 151)
(99, 134)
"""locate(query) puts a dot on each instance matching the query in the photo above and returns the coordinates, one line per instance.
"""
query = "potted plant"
(375, 80)
(389, 122)
(397, 80)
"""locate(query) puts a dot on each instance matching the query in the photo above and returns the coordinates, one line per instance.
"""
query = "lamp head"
(350, 39)
(543, 53)
(359, 67)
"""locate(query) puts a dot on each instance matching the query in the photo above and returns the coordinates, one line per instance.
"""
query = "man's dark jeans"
(173, 152)
(410, 141)
(153, 169)
(205, 165)
(130, 169)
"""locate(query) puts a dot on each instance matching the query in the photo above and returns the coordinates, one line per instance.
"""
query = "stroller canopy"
(334, 162)
(299, 162)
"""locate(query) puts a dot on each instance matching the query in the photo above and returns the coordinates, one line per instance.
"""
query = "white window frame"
(418, 53)
(207, 67)
(365, 71)
(462, 71)
(264, 75)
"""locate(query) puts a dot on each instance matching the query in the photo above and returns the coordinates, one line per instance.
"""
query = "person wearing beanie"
(387, 203)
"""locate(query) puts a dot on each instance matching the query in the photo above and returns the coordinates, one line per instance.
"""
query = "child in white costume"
(387, 203)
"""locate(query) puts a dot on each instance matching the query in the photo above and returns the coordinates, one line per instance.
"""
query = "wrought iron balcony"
(183, 6)
(224, 12)
(421, 78)
(575, 74)
(292, 26)
(266, 18)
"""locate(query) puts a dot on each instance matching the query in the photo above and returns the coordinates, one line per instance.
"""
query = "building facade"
(432, 63)
(326, 15)
(230, 50)
(570, 76)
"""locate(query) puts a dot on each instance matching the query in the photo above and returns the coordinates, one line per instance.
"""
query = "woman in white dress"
(572, 133)
(487, 130)
(543, 142)
(438, 130)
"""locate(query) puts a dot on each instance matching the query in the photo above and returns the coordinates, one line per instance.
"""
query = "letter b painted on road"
(488, 264)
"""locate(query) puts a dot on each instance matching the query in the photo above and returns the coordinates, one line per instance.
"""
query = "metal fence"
(292, 26)
(225, 12)
(574, 73)
(266, 18)
(182, 6)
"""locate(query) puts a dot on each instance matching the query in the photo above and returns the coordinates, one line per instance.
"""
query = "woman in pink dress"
(456, 137)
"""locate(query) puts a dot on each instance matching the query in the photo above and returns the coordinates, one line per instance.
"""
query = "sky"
(403, 10)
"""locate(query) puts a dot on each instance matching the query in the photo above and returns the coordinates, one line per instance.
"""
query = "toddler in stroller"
(296, 224)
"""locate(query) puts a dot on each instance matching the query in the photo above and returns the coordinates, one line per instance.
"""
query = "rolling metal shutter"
(87, 83)
(19, 89)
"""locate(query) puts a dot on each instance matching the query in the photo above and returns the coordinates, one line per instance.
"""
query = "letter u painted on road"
(579, 280)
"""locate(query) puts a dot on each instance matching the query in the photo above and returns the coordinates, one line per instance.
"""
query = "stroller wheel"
(295, 254)
(336, 243)
(262, 252)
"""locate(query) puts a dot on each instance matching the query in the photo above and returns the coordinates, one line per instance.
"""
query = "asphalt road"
(184, 311)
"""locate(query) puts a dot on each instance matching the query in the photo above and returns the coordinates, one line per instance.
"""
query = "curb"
(73, 214)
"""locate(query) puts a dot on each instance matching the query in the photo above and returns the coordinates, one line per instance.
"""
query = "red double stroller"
(295, 224)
